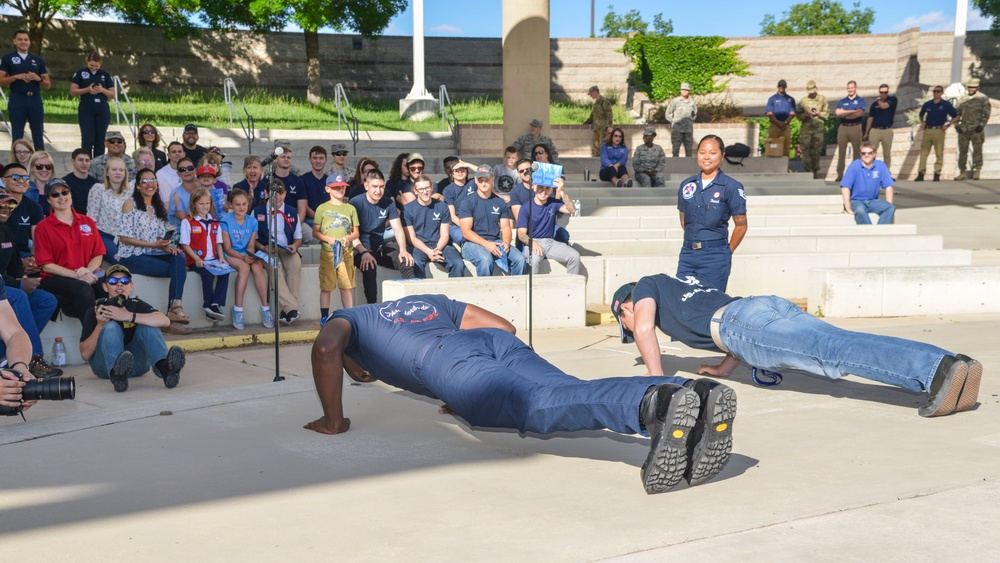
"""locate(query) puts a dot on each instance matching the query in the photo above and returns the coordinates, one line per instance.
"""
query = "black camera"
(118, 301)
(43, 389)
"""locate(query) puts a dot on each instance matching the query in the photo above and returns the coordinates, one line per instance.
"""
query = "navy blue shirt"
(707, 209)
(386, 337)
(294, 189)
(850, 105)
(781, 105)
(84, 78)
(520, 195)
(80, 189)
(684, 308)
(865, 183)
(27, 214)
(315, 190)
(258, 195)
(426, 220)
(543, 218)
(454, 193)
(15, 63)
(937, 113)
(486, 215)
(373, 218)
(883, 117)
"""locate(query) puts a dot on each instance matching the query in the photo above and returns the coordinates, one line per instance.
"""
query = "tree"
(631, 22)
(990, 8)
(820, 17)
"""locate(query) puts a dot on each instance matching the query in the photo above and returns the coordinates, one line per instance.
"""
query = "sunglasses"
(124, 280)
(938, 91)
(114, 141)
(148, 131)
(44, 167)
(539, 152)
(883, 91)
(149, 181)
(866, 153)
(340, 153)
(17, 177)
(416, 168)
(9, 205)
(186, 169)
(523, 170)
(61, 193)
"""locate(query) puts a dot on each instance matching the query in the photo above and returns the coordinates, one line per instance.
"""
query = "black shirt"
(15, 63)
(195, 154)
(80, 189)
(883, 117)
(84, 78)
(684, 308)
(133, 305)
(26, 215)
(10, 260)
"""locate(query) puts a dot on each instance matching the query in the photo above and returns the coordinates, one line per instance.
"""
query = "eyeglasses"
(185, 169)
(61, 193)
(124, 280)
(424, 189)
(883, 91)
(149, 131)
(114, 141)
(938, 91)
(17, 177)
(22, 151)
(149, 181)
(44, 167)
(866, 153)
(523, 170)
(416, 168)
(340, 153)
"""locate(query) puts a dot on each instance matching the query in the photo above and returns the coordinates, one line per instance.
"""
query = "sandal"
(176, 315)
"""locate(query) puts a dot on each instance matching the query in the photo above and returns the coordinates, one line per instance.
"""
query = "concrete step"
(659, 234)
(791, 224)
(763, 245)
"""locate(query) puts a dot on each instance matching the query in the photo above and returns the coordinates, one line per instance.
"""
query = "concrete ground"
(220, 468)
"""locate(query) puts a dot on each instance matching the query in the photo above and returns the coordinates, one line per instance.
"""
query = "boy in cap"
(336, 227)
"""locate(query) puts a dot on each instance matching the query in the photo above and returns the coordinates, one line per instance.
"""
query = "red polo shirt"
(70, 246)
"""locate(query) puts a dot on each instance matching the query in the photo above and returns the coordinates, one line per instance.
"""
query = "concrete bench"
(764, 245)
(671, 232)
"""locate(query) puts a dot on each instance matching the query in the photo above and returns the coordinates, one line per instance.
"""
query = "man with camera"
(121, 336)
(16, 351)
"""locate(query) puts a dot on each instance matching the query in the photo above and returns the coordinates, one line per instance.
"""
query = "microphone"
(278, 151)
(534, 167)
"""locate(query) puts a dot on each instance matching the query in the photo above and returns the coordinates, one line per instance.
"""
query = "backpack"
(737, 151)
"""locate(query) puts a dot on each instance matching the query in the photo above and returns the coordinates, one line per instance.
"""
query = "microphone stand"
(531, 252)
(272, 272)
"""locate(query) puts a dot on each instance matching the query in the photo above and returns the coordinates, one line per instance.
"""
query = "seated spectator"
(192, 149)
(860, 187)
(254, 183)
(42, 170)
(376, 210)
(168, 177)
(614, 157)
(149, 138)
(69, 251)
(525, 144)
(105, 204)
(207, 176)
(144, 160)
(145, 246)
(649, 161)
(314, 184)
(447, 163)
(541, 211)
(427, 223)
(540, 153)
(460, 188)
(404, 189)
(115, 143)
(239, 236)
(338, 151)
(337, 228)
(399, 176)
(285, 242)
(523, 192)
(505, 175)
(487, 225)
(33, 307)
(201, 241)
(295, 190)
(357, 183)
(177, 206)
(21, 151)
(25, 216)
(223, 168)
(121, 338)
(79, 180)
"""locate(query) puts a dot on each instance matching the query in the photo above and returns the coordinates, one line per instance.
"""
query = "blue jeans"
(492, 379)
(110, 248)
(710, 265)
(484, 261)
(452, 262)
(147, 347)
(213, 288)
(775, 334)
(161, 266)
(862, 207)
(33, 312)
(455, 235)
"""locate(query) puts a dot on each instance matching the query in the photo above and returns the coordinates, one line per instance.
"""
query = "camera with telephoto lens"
(43, 389)
(117, 301)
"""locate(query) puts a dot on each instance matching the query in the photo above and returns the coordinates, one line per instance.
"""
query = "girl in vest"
(239, 234)
(201, 240)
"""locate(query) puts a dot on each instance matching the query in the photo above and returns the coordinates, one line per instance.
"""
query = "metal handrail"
(342, 102)
(133, 126)
(2, 114)
(448, 117)
(228, 91)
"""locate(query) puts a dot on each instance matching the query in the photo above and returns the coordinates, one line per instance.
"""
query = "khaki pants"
(977, 149)
(289, 280)
(881, 139)
(847, 134)
(935, 138)
(774, 132)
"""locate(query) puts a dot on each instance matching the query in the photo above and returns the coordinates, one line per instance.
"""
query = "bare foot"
(323, 427)
(445, 409)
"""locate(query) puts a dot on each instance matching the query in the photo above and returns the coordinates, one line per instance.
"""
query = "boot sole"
(970, 390)
(950, 398)
(175, 363)
(119, 372)
(667, 460)
(709, 452)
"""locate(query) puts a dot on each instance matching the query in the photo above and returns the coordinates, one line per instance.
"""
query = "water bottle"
(58, 353)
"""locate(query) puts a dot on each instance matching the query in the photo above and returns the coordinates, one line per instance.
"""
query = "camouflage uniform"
(681, 114)
(974, 112)
(526, 142)
(649, 158)
(812, 130)
(601, 117)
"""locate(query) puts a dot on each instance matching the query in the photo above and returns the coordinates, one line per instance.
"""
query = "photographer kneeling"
(15, 350)
(121, 336)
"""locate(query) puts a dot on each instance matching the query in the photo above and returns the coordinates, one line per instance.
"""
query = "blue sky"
(740, 18)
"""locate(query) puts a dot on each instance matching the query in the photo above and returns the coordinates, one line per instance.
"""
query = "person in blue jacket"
(706, 201)
(614, 156)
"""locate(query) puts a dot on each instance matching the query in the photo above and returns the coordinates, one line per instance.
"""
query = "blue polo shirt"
(543, 218)
(937, 113)
(707, 208)
(684, 308)
(865, 183)
(883, 117)
(426, 220)
(486, 214)
(373, 218)
(315, 190)
(258, 195)
(16, 63)
(850, 105)
(781, 105)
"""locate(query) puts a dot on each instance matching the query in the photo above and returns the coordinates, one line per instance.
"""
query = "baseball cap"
(536, 123)
(415, 156)
(207, 170)
(484, 171)
(336, 180)
(685, 86)
(649, 131)
(972, 83)
(623, 293)
(54, 183)
(117, 269)
(593, 88)
(782, 83)
(338, 147)
(811, 86)
(113, 135)
(5, 195)
(191, 127)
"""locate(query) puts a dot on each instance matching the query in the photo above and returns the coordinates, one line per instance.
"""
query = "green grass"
(290, 112)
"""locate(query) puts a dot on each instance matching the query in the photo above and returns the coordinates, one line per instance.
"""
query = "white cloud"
(939, 21)
(977, 21)
(445, 29)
